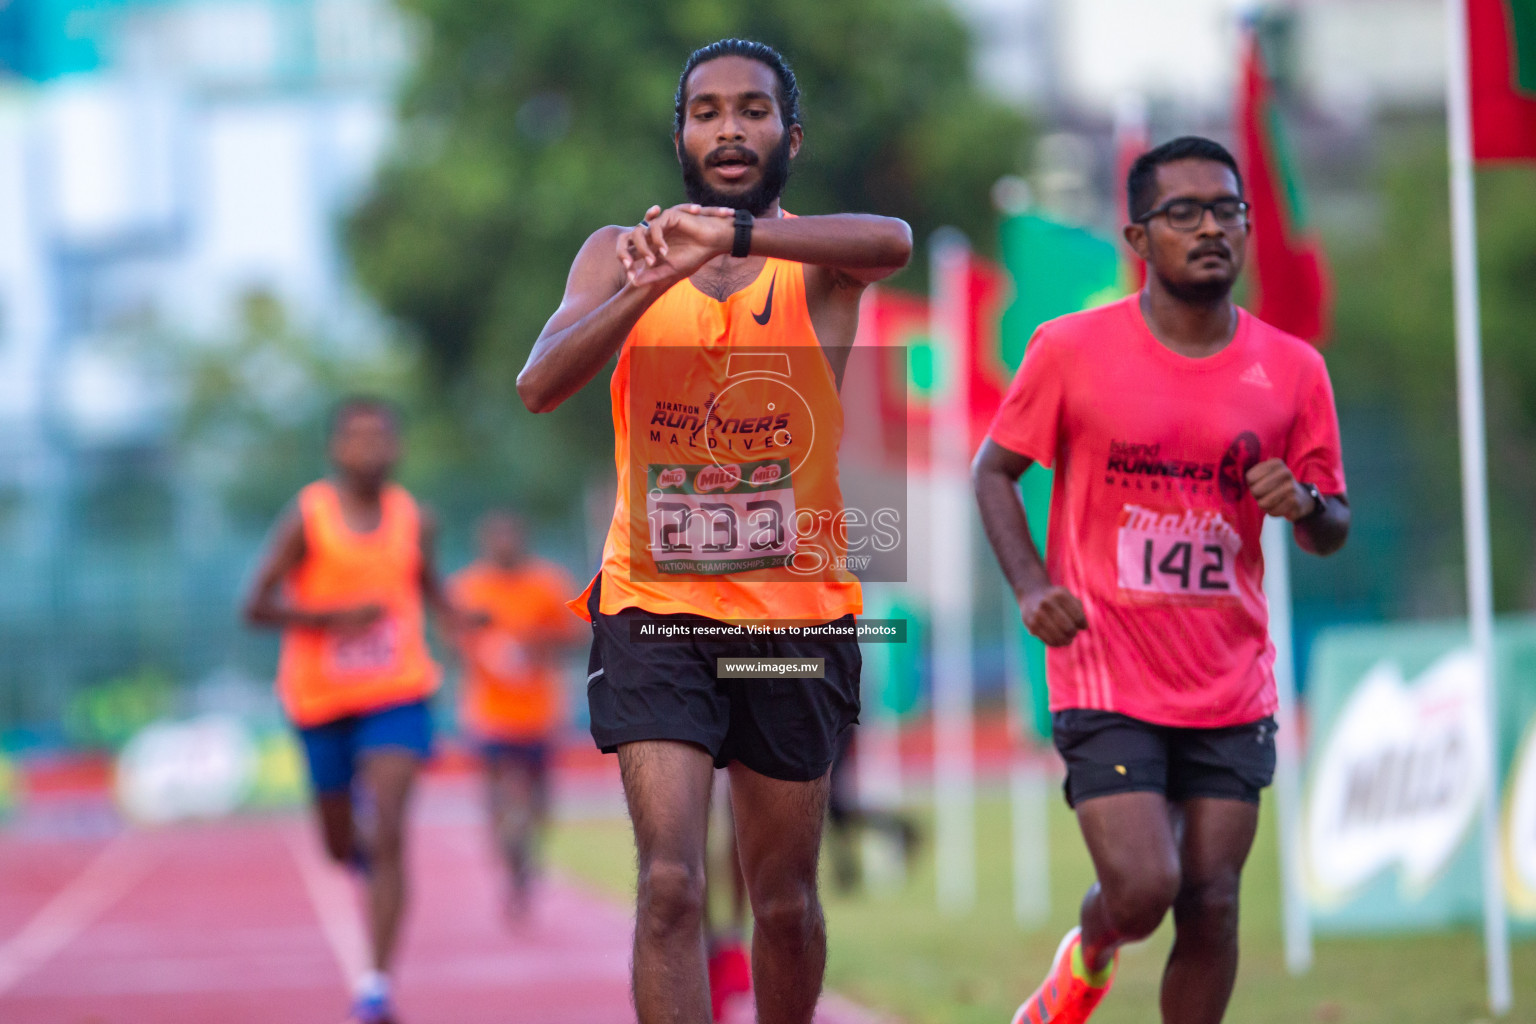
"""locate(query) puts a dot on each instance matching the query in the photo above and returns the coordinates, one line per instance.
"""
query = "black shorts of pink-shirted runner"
(1107, 753)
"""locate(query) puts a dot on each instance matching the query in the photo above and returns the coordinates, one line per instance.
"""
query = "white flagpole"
(950, 582)
(877, 768)
(1295, 918)
(1027, 787)
(1474, 484)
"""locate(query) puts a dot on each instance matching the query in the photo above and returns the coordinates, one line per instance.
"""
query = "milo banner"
(1396, 776)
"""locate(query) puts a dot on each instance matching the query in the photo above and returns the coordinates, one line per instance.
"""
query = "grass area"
(894, 951)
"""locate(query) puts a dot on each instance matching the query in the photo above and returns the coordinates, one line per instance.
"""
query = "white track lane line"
(330, 893)
(109, 877)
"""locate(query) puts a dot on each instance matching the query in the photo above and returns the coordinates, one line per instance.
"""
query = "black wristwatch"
(743, 244)
(1317, 500)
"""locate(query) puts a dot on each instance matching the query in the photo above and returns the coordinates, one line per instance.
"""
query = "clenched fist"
(1275, 489)
(1054, 615)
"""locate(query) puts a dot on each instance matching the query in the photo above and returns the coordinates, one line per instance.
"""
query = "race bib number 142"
(1177, 554)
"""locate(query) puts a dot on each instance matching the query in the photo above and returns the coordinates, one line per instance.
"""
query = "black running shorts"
(786, 729)
(1108, 753)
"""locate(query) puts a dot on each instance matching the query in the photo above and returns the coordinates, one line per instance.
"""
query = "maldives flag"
(917, 380)
(891, 419)
(1501, 39)
(974, 291)
(1290, 287)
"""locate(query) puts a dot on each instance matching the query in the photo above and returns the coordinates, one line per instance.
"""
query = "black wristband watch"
(742, 246)
(1317, 500)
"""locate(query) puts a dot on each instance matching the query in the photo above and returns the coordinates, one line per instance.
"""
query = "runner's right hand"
(351, 621)
(669, 245)
(1054, 615)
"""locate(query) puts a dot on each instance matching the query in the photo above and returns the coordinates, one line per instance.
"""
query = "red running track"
(244, 923)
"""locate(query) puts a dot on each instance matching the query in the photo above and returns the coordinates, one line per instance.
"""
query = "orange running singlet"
(727, 424)
(512, 690)
(323, 675)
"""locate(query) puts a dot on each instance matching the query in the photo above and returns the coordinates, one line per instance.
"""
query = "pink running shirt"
(1152, 526)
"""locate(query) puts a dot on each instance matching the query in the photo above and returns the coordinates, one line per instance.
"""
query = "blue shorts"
(531, 754)
(334, 748)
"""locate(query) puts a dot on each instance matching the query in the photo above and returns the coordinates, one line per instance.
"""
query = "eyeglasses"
(1186, 214)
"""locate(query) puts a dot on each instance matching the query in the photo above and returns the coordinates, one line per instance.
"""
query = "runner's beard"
(1198, 293)
(756, 199)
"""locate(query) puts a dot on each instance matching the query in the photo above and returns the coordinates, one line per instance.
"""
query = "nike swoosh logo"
(762, 318)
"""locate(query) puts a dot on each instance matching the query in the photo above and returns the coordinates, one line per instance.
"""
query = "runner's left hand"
(1275, 488)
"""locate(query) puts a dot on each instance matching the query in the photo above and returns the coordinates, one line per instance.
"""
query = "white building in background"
(1082, 56)
(159, 162)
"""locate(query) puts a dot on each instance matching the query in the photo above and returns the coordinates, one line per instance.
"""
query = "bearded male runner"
(1175, 422)
(732, 324)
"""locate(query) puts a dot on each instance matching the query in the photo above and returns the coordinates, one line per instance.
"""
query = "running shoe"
(371, 1010)
(730, 976)
(1067, 996)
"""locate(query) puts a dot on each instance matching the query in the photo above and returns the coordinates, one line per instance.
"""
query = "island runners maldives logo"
(1241, 456)
(1398, 778)
(1133, 464)
(1144, 467)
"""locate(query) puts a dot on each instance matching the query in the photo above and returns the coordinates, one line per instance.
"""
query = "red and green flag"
(1501, 38)
(915, 376)
(896, 324)
(1289, 285)
(1131, 140)
(1053, 269)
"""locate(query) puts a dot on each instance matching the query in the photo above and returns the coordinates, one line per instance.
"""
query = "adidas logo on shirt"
(1256, 376)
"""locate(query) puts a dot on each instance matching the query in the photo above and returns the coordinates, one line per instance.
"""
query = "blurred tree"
(1393, 365)
(528, 125)
(253, 424)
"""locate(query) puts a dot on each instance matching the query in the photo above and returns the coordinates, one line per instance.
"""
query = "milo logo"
(674, 477)
(1241, 456)
(766, 474)
(717, 478)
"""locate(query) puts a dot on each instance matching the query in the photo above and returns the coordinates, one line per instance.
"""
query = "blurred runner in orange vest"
(513, 703)
(732, 325)
(345, 577)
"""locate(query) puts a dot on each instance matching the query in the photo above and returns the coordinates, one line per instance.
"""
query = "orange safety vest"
(509, 691)
(323, 675)
(726, 425)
